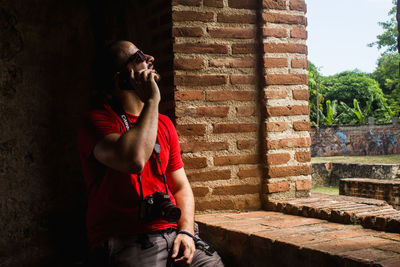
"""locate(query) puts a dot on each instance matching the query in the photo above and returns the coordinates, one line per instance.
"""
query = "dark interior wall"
(46, 52)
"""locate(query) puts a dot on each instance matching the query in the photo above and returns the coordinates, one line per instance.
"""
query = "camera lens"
(171, 213)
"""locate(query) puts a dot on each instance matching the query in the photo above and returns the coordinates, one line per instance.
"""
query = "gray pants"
(152, 250)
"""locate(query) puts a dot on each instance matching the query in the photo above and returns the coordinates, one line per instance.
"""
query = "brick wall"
(286, 94)
(241, 100)
(388, 190)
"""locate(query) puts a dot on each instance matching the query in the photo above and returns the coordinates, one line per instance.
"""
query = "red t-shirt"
(113, 197)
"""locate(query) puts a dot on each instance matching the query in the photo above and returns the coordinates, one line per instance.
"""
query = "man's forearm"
(137, 144)
(185, 201)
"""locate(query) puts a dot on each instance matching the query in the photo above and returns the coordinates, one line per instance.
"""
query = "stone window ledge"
(370, 213)
(267, 238)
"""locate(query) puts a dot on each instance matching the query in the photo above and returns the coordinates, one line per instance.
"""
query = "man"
(122, 167)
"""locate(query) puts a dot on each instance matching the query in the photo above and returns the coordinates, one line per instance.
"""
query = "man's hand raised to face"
(145, 85)
(186, 246)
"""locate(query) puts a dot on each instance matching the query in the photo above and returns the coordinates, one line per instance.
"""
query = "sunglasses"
(137, 57)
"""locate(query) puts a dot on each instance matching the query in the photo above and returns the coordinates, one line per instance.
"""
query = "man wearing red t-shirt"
(122, 166)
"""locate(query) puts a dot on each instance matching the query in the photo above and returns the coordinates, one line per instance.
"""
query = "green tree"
(315, 85)
(388, 39)
(387, 75)
(347, 86)
(387, 71)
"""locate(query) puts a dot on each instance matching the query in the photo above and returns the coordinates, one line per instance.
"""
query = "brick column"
(237, 146)
(286, 94)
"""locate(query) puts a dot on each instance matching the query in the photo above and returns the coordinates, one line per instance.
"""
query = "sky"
(339, 31)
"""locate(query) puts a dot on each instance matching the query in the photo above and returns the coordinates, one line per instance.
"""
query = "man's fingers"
(189, 261)
(175, 249)
(146, 75)
(187, 252)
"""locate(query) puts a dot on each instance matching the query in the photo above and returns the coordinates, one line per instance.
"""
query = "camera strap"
(118, 109)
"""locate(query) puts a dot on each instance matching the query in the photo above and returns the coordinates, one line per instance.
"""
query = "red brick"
(203, 146)
(209, 176)
(237, 18)
(276, 126)
(234, 127)
(191, 129)
(212, 111)
(230, 95)
(275, 62)
(243, 4)
(336, 246)
(195, 163)
(286, 79)
(288, 111)
(236, 190)
(230, 32)
(278, 158)
(188, 64)
(246, 144)
(189, 95)
(192, 16)
(275, 32)
(284, 18)
(200, 48)
(289, 143)
(233, 62)
(277, 187)
(275, 172)
(274, 4)
(275, 94)
(301, 94)
(234, 160)
(223, 204)
(303, 185)
(299, 5)
(186, 2)
(300, 63)
(243, 48)
(301, 126)
(187, 32)
(245, 111)
(246, 173)
(214, 3)
(300, 33)
(200, 191)
(242, 79)
(285, 48)
(302, 156)
(200, 80)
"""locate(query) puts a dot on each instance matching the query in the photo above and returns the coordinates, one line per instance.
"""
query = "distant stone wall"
(387, 190)
(355, 140)
(330, 173)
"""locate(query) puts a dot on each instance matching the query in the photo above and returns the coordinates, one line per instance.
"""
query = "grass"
(384, 159)
(329, 190)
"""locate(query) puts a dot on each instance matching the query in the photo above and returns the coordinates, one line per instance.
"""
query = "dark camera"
(158, 206)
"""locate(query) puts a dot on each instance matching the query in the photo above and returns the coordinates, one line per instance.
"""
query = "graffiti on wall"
(355, 141)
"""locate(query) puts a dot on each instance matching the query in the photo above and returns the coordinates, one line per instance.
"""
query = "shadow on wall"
(46, 53)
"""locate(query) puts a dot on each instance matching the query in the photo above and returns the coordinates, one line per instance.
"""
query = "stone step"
(368, 212)
(265, 238)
